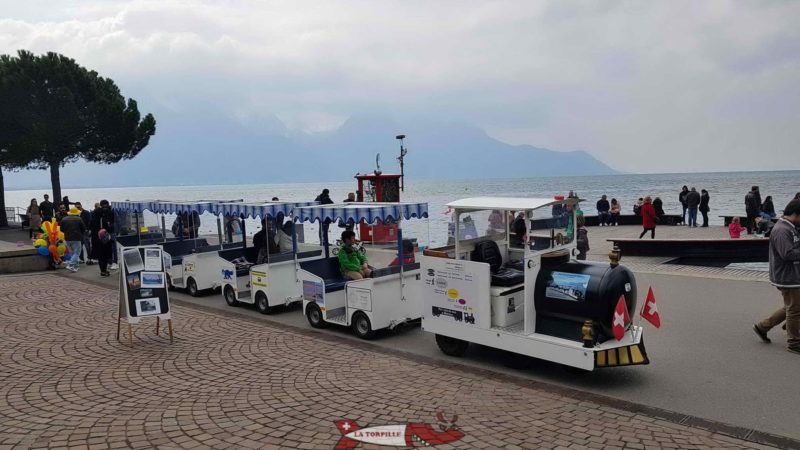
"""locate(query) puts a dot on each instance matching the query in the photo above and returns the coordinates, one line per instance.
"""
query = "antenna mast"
(403, 153)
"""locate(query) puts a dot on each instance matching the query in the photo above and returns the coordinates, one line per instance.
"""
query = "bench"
(23, 220)
(179, 249)
(622, 219)
(742, 250)
(328, 270)
(744, 221)
(250, 254)
(132, 240)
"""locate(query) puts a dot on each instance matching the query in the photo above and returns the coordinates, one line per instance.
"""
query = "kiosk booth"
(386, 299)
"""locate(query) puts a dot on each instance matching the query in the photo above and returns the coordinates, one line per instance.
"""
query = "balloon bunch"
(51, 241)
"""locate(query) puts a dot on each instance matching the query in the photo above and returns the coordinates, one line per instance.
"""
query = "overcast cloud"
(644, 86)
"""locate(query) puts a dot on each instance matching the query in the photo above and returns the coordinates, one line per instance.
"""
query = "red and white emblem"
(650, 310)
(621, 318)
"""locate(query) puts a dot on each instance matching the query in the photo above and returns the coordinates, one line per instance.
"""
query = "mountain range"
(220, 150)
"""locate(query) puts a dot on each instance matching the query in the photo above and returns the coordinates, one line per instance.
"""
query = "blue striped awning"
(128, 207)
(368, 212)
(262, 210)
(214, 207)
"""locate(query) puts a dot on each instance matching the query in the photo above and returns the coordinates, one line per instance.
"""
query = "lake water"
(727, 191)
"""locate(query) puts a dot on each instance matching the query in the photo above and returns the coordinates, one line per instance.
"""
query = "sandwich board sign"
(142, 287)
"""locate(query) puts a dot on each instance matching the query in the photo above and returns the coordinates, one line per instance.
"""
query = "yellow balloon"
(60, 235)
(40, 242)
(61, 250)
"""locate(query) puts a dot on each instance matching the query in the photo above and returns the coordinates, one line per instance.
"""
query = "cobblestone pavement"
(233, 383)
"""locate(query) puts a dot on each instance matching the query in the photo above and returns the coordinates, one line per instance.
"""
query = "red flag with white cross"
(621, 318)
(649, 310)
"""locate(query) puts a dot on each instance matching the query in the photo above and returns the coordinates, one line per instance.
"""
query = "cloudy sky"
(645, 86)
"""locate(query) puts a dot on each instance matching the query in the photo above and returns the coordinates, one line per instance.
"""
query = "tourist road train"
(529, 298)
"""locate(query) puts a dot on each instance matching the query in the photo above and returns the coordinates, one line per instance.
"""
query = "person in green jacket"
(352, 262)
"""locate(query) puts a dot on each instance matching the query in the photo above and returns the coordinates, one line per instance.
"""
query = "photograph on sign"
(152, 279)
(134, 282)
(145, 293)
(152, 259)
(133, 260)
(148, 306)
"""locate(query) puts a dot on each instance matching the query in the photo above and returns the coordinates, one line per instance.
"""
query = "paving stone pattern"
(233, 383)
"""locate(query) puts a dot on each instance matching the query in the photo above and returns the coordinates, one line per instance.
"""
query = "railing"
(13, 215)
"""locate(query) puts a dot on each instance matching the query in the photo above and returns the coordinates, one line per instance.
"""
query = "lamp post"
(403, 153)
(3, 216)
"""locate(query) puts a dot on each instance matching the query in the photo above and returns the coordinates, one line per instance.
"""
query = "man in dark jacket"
(784, 273)
(86, 250)
(682, 200)
(102, 233)
(73, 228)
(704, 209)
(603, 216)
(324, 198)
(46, 208)
(752, 205)
(692, 202)
(265, 241)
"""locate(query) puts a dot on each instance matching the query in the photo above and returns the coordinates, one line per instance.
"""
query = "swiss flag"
(649, 310)
(621, 318)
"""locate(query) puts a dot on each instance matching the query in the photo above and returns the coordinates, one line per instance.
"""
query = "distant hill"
(216, 150)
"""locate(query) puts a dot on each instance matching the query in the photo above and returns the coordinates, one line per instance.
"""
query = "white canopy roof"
(506, 203)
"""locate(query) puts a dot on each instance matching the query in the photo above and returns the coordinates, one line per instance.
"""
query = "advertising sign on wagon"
(453, 288)
(143, 288)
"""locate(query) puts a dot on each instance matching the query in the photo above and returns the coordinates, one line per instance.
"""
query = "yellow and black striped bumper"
(629, 355)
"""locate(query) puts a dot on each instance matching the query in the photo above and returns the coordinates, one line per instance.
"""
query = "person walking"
(648, 218)
(784, 274)
(682, 200)
(86, 249)
(692, 202)
(73, 228)
(704, 209)
(34, 218)
(102, 232)
(47, 209)
(752, 206)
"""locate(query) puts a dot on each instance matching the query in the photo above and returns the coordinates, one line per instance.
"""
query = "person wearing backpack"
(102, 231)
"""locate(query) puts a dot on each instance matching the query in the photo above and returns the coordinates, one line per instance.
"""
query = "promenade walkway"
(231, 382)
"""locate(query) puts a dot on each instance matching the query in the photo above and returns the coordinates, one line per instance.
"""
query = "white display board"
(456, 291)
(143, 286)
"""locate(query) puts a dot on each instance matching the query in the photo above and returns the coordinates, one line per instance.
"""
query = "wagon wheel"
(362, 326)
(230, 296)
(451, 346)
(191, 287)
(262, 303)
(314, 316)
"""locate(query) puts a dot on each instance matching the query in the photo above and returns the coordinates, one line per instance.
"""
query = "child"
(735, 228)
(408, 254)
(583, 239)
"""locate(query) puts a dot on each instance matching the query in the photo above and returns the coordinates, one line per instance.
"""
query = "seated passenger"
(352, 262)
(408, 254)
(265, 241)
(496, 225)
(285, 237)
(518, 230)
